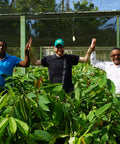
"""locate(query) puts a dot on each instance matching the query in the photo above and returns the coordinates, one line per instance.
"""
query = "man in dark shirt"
(60, 65)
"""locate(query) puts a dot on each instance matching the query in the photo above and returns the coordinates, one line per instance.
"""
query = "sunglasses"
(115, 55)
(59, 47)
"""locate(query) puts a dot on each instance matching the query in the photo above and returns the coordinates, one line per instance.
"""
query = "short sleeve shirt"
(55, 67)
(6, 67)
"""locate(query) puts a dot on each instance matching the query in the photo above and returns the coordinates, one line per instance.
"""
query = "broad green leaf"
(65, 110)
(3, 101)
(90, 116)
(92, 87)
(12, 125)
(44, 99)
(58, 113)
(111, 86)
(34, 105)
(77, 94)
(102, 109)
(96, 132)
(83, 116)
(76, 85)
(53, 139)
(88, 135)
(42, 135)
(50, 85)
(58, 88)
(16, 113)
(12, 94)
(102, 81)
(23, 127)
(7, 111)
(3, 97)
(104, 135)
(43, 106)
(31, 95)
(42, 103)
(116, 101)
(3, 124)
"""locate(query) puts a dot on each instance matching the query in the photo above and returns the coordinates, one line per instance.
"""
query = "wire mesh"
(45, 31)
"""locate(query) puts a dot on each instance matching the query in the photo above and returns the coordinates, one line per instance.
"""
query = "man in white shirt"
(112, 69)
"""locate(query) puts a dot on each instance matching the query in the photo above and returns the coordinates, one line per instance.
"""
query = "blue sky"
(103, 5)
(107, 5)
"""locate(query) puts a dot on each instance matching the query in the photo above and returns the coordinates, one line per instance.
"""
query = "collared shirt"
(112, 70)
(6, 67)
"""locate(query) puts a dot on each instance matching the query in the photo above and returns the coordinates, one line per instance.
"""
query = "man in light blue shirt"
(8, 62)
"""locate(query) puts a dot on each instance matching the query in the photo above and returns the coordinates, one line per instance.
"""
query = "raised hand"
(28, 45)
(93, 43)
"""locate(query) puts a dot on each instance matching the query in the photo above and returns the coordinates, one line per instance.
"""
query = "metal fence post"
(40, 52)
(22, 38)
(118, 33)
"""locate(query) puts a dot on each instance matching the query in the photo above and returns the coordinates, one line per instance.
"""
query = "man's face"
(59, 49)
(115, 56)
(2, 47)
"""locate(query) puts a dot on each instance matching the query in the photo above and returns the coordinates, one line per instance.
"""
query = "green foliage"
(35, 111)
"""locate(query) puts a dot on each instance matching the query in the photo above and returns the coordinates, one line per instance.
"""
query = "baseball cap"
(59, 41)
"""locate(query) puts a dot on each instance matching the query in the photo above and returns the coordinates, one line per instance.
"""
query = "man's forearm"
(86, 58)
(34, 60)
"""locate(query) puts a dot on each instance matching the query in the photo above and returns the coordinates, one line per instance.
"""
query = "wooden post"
(22, 38)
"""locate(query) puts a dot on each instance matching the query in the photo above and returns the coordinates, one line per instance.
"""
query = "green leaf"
(7, 111)
(50, 86)
(58, 113)
(83, 116)
(92, 87)
(90, 115)
(12, 125)
(23, 127)
(3, 97)
(77, 94)
(58, 88)
(44, 107)
(102, 81)
(102, 109)
(104, 135)
(3, 124)
(116, 101)
(44, 99)
(31, 95)
(16, 113)
(42, 135)
(66, 111)
(111, 86)
(3, 101)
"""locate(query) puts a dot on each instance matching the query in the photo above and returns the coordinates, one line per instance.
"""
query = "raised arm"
(86, 58)
(34, 60)
(26, 61)
(95, 63)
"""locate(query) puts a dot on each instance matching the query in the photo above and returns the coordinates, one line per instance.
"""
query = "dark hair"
(4, 42)
(116, 48)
